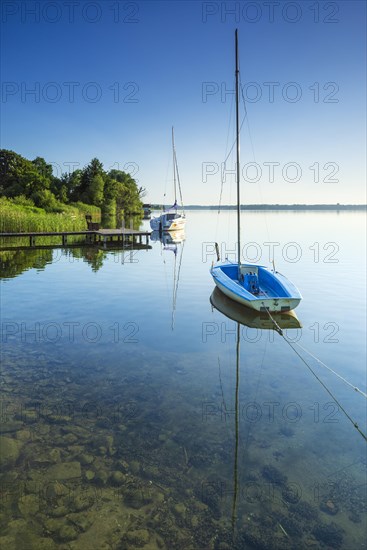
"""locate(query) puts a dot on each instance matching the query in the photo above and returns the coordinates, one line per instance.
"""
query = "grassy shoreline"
(17, 217)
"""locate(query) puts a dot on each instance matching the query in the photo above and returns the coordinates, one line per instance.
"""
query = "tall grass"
(22, 218)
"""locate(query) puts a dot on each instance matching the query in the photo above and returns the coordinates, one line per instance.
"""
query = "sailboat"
(252, 285)
(171, 219)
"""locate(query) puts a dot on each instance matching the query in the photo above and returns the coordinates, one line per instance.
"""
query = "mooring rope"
(355, 424)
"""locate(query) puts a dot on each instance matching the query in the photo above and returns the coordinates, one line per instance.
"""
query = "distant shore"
(272, 207)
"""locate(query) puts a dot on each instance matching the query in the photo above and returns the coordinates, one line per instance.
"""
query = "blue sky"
(110, 78)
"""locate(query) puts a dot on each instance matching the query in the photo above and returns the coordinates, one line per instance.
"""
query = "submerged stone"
(117, 478)
(67, 533)
(89, 475)
(138, 538)
(28, 505)
(9, 451)
(64, 470)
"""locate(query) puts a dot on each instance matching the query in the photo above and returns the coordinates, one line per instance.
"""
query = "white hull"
(164, 224)
(270, 304)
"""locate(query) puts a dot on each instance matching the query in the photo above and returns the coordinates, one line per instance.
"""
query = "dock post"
(64, 239)
(32, 239)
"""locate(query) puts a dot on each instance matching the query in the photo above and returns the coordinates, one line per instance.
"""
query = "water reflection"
(253, 319)
(168, 237)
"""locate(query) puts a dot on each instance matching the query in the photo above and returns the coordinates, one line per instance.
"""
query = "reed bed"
(16, 218)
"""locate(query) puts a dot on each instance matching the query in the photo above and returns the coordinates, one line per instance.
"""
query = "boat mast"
(238, 158)
(174, 165)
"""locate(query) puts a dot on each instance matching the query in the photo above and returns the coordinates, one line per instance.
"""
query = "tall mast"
(238, 158)
(174, 164)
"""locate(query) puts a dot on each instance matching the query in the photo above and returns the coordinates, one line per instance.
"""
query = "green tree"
(95, 191)
(94, 168)
(43, 168)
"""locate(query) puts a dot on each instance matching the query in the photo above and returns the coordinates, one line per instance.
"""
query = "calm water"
(120, 386)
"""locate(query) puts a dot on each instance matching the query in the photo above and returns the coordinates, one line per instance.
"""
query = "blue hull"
(256, 287)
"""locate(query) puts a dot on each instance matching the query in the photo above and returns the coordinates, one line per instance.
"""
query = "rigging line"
(226, 148)
(222, 178)
(178, 181)
(253, 154)
(333, 371)
(166, 179)
(279, 330)
(329, 392)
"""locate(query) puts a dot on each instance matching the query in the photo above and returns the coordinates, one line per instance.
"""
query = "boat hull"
(163, 224)
(275, 293)
(250, 317)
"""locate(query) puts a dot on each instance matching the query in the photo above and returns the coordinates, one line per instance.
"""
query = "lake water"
(132, 419)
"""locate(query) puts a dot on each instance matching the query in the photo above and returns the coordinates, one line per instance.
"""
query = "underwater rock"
(69, 439)
(134, 467)
(290, 495)
(292, 527)
(330, 534)
(86, 459)
(286, 431)
(135, 497)
(81, 521)
(101, 477)
(180, 510)
(273, 475)
(67, 533)
(89, 475)
(9, 427)
(55, 489)
(58, 512)
(138, 538)
(9, 451)
(52, 525)
(55, 455)
(305, 511)
(28, 505)
(81, 503)
(117, 478)
(329, 507)
(64, 470)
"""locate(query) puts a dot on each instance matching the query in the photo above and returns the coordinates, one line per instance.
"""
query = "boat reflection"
(251, 318)
(173, 241)
(168, 237)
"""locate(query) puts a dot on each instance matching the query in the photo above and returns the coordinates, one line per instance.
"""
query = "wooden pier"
(114, 238)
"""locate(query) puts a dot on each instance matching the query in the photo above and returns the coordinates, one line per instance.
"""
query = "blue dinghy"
(256, 286)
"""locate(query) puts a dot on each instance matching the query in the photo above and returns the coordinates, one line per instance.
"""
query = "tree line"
(115, 192)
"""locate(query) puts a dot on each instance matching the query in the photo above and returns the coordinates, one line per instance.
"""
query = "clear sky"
(108, 79)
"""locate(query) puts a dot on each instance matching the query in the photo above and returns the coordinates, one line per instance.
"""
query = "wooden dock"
(121, 238)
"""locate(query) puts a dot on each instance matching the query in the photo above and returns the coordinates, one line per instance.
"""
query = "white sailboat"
(252, 285)
(171, 219)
